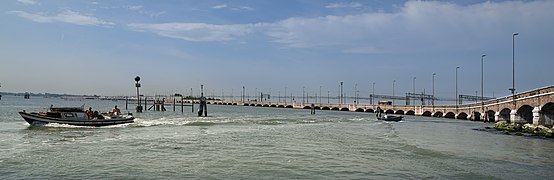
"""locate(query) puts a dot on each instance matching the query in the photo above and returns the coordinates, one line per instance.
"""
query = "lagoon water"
(238, 142)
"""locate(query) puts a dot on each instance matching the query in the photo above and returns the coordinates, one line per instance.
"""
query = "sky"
(98, 47)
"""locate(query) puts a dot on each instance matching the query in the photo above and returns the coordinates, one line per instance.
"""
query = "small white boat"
(391, 118)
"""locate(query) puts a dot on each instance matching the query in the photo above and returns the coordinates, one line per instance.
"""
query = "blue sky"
(98, 47)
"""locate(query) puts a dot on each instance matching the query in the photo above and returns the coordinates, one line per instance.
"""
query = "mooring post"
(126, 102)
(191, 101)
(203, 104)
(173, 103)
(182, 105)
(145, 101)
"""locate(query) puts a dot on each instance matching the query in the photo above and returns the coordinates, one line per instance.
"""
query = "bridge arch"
(450, 115)
(252, 104)
(369, 110)
(288, 106)
(427, 113)
(344, 109)
(390, 111)
(273, 105)
(359, 110)
(489, 115)
(335, 109)
(504, 115)
(548, 111)
(438, 114)
(234, 104)
(410, 112)
(399, 112)
(462, 115)
(325, 108)
(281, 106)
(307, 107)
(259, 105)
(246, 104)
(266, 105)
(525, 112)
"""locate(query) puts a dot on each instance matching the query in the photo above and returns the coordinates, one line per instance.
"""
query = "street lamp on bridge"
(413, 101)
(393, 82)
(457, 88)
(482, 89)
(513, 68)
(433, 100)
(372, 93)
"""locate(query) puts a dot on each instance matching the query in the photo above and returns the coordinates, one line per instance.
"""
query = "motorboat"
(391, 118)
(75, 116)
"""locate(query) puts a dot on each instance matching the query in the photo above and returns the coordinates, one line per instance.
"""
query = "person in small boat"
(89, 113)
(98, 115)
(115, 111)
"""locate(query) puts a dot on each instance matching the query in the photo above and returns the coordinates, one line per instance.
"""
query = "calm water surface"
(239, 142)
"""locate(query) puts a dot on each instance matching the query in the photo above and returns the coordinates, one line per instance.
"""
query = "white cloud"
(221, 6)
(344, 5)
(135, 8)
(197, 32)
(236, 8)
(243, 8)
(417, 25)
(27, 2)
(68, 16)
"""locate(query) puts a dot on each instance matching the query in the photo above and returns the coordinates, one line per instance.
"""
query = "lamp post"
(513, 68)
(372, 92)
(137, 84)
(319, 94)
(355, 94)
(393, 82)
(303, 95)
(340, 93)
(433, 100)
(285, 95)
(413, 99)
(457, 89)
(482, 89)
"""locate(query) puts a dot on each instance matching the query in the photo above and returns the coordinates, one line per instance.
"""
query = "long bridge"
(534, 106)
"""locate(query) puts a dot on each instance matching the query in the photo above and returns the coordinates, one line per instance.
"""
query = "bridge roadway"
(534, 106)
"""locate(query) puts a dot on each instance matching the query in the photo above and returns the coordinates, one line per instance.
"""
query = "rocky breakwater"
(523, 129)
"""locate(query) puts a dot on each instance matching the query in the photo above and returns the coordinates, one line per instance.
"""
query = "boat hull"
(399, 118)
(35, 119)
